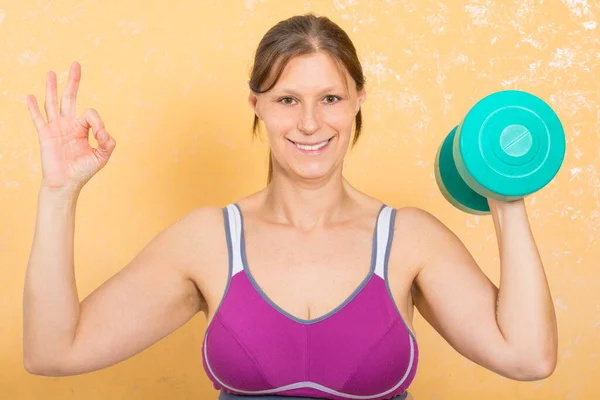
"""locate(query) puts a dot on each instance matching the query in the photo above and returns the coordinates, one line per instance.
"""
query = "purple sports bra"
(360, 350)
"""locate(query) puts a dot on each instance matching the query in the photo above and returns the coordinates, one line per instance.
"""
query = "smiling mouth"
(312, 147)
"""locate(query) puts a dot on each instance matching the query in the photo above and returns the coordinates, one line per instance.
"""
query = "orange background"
(170, 81)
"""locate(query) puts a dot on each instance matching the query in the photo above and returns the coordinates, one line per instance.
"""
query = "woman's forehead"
(313, 72)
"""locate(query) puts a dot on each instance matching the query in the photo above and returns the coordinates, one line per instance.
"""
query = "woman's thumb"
(106, 145)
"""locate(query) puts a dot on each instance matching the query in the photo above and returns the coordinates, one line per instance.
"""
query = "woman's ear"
(362, 96)
(252, 101)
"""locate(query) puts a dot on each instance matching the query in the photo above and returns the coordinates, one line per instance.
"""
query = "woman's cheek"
(281, 122)
(341, 119)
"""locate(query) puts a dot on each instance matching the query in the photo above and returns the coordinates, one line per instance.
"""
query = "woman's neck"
(307, 205)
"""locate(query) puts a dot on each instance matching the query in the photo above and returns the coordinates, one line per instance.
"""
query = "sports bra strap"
(233, 227)
(385, 225)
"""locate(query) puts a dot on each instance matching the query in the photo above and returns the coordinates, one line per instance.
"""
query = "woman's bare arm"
(514, 334)
(151, 297)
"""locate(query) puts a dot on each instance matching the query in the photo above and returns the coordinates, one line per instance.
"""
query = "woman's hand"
(68, 160)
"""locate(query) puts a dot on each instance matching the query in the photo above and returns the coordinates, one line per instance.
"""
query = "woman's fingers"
(51, 103)
(69, 97)
(34, 111)
(91, 119)
(106, 145)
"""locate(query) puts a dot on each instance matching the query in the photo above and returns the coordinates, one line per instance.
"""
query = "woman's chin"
(313, 173)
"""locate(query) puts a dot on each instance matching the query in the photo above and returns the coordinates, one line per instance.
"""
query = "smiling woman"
(318, 54)
(309, 111)
(309, 284)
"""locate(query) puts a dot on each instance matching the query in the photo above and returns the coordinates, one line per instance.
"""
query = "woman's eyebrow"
(295, 93)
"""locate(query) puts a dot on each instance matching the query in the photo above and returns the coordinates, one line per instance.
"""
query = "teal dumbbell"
(509, 145)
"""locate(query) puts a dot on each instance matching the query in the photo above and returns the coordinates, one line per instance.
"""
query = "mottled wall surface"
(170, 81)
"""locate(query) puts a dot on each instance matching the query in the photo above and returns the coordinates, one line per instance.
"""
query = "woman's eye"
(286, 101)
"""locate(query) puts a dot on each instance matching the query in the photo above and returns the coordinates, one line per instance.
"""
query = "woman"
(308, 285)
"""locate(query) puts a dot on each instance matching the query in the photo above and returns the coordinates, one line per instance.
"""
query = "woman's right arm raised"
(148, 299)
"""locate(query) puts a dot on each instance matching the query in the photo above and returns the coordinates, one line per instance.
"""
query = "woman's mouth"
(312, 148)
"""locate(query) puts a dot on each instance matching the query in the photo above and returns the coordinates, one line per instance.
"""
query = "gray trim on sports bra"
(228, 396)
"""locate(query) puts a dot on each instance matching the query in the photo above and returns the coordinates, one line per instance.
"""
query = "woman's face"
(308, 116)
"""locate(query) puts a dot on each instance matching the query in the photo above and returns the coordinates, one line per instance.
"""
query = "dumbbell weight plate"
(451, 184)
(509, 145)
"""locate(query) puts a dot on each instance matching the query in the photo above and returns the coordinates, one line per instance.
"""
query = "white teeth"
(313, 147)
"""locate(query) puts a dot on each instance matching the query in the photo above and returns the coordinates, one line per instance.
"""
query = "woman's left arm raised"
(510, 330)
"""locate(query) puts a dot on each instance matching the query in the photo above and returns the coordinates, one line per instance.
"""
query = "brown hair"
(301, 35)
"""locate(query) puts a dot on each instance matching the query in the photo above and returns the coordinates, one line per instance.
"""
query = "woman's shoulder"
(412, 212)
(417, 217)
(206, 216)
(422, 230)
(198, 227)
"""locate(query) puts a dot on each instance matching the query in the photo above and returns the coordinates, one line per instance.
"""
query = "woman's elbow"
(41, 368)
(534, 369)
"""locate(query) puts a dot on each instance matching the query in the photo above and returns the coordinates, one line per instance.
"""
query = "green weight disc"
(510, 144)
(453, 187)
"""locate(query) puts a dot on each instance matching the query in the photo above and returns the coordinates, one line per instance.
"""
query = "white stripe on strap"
(235, 236)
(383, 233)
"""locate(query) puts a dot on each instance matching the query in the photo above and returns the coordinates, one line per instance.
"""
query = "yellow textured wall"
(170, 80)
